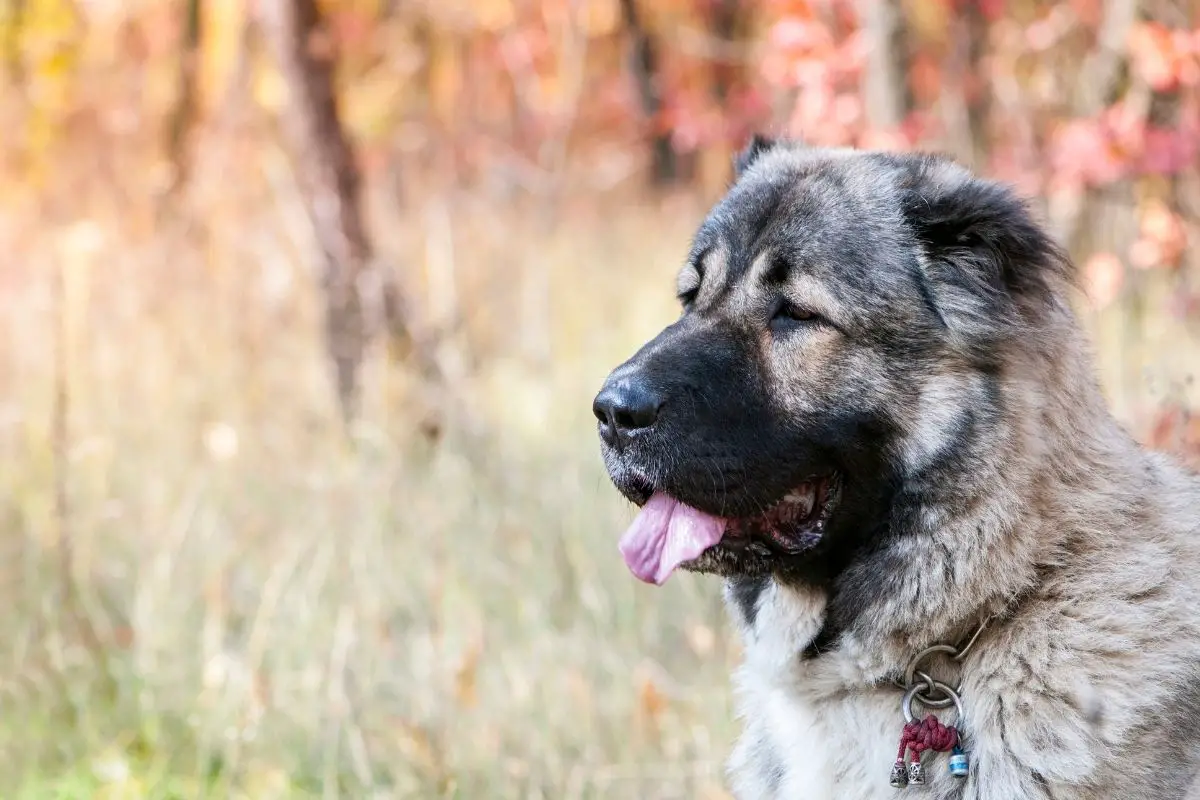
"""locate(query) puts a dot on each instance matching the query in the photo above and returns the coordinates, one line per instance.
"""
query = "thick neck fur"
(967, 546)
(1084, 686)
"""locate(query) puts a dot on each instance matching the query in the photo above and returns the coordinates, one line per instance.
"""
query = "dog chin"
(724, 561)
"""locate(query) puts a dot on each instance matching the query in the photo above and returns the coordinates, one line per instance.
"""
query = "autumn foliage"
(1068, 100)
(1078, 103)
(204, 581)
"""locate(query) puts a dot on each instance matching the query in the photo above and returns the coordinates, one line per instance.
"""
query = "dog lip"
(636, 487)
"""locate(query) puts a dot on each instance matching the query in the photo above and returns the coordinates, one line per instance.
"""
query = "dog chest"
(795, 745)
(810, 728)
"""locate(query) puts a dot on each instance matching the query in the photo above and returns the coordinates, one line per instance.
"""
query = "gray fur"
(1012, 493)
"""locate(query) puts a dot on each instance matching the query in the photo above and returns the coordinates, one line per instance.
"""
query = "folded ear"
(757, 145)
(986, 260)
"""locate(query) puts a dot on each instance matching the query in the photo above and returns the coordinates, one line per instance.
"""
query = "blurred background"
(305, 302)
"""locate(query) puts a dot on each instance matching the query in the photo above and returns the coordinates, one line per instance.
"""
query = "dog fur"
(985, 480)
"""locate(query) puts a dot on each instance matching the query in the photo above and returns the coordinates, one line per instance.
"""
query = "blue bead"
(959, 766)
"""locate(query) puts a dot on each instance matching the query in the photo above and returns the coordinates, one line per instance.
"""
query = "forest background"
(305, 304)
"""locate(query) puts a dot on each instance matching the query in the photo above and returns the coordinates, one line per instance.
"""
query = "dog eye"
(790, 313)
(687, 298)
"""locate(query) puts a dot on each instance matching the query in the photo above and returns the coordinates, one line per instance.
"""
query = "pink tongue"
(664, 535)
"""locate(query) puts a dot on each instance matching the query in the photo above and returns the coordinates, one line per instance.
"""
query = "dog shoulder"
(1110, 642)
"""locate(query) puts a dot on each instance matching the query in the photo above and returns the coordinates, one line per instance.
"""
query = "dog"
(877, 419)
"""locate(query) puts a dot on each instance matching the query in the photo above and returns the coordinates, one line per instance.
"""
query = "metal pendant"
(930, 734)
(927, 734)
(960, 765)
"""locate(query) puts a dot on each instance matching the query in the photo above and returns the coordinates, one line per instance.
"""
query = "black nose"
(625, 406)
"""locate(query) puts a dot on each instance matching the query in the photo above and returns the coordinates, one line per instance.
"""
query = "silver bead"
(899, 774)
(916, 773)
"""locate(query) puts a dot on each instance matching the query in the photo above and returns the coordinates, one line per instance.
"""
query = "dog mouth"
(668, 534)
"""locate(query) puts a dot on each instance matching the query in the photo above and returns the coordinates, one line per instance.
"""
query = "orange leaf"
(651, 700)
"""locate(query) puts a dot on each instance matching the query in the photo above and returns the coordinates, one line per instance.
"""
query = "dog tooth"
(804, 499)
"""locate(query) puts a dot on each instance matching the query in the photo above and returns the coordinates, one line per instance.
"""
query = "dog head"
(843, 319)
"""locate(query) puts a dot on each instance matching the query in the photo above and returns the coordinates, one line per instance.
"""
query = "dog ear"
(757, 145)
(986, 258)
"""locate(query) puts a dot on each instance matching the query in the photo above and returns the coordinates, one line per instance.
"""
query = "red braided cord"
(911, 732)
(928, 734)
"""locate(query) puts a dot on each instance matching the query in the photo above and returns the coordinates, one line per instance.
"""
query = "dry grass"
(267, 611)
(258, 609)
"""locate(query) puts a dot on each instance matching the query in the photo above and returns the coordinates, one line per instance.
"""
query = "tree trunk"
(644, 66)
(725, 23)
(184, 114)
(329, 179)
(885, 90)
(966, 110)
(1103, 68)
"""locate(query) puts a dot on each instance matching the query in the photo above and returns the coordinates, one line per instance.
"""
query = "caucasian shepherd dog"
(956, 574)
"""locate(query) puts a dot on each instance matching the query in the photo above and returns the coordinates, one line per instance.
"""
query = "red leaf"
(1167, 152)
(1081, 153)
